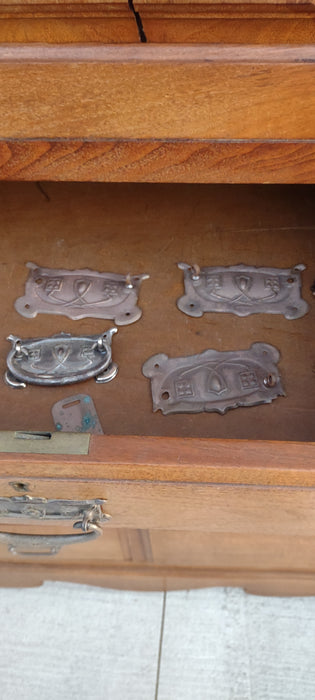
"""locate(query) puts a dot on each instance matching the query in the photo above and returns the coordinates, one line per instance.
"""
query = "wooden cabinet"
(125, 155)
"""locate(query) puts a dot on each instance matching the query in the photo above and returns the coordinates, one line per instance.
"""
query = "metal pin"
(128, 282)
(195, 272)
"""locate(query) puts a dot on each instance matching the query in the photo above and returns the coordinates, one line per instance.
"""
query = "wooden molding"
(162, 22)
(201, 460)
(157, 92)
(158, 161)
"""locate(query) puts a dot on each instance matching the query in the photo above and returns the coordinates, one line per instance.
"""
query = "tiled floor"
(69, 642)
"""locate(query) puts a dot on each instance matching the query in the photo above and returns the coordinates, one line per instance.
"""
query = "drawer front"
(119, 547)
(193, 507)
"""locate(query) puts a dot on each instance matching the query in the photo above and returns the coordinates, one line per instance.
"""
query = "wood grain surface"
(184, 161)
(68, 22)
(214, 527)
(198, 507)
(217, 509)
(240, 23)
(116, 22)
(157, 92)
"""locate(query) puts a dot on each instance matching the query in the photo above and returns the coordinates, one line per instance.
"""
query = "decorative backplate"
(213, 380)
(80, 294)
(60, 359)
(76, 414)
(242, 290)
(32, 507)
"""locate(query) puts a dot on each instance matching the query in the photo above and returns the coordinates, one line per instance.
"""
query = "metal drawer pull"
(34, 545)
(242, 290)
(81, 294)
(90, 513)
(60, 359)
(214, 380)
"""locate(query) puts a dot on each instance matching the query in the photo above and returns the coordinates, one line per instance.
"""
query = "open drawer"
(230, 484)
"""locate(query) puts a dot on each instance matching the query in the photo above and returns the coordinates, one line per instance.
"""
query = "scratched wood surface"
(143, 228)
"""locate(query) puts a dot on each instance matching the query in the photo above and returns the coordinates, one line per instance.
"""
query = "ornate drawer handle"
(214, 380)
(33, 545)
(60, 359)
(81, 294)
(242, 290)
(90, 513)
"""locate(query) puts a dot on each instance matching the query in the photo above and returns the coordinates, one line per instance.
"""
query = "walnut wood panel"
(157, 92)
(148, 228)
(159, 161)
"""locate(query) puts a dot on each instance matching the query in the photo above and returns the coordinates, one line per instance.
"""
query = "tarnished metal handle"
(44, 545)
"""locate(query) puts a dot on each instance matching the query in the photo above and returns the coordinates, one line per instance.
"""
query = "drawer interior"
(149, 228)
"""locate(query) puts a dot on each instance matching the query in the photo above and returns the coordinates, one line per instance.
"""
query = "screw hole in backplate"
(270, 380)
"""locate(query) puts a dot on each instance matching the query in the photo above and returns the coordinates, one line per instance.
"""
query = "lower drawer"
(165, 560)
(195, 550)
